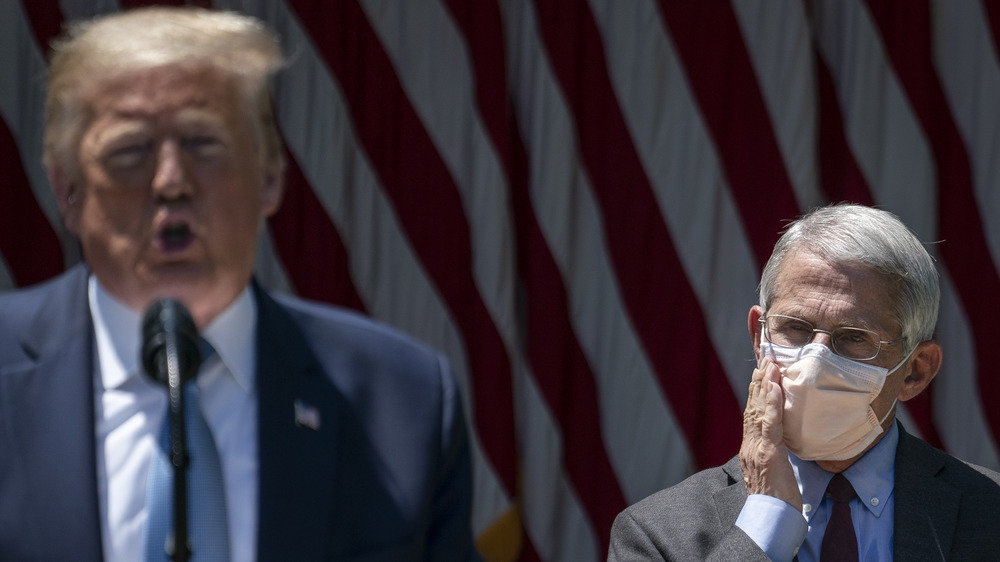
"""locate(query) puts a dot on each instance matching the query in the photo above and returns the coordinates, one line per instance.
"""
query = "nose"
(823, 337)
(170, 180)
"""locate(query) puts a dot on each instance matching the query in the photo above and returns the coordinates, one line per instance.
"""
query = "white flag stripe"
(448, 111)
(554, 519)
(964, 42)
(874, 105)
(572, 227)
(431, 49)
(957, 400)
(780, 46)
(687, 179)
(351, 195)
(5, 278)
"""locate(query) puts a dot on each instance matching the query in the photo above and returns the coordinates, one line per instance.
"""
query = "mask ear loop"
(895, 400)
(889, 411)
(901, 361)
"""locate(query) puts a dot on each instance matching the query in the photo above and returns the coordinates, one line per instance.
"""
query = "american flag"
(573, 200)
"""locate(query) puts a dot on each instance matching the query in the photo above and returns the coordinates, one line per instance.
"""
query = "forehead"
(830, 295)
(167, 92)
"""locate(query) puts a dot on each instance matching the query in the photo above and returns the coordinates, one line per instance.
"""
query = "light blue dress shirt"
(782, 532)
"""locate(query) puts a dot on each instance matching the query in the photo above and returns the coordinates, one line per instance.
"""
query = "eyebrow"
(199, 116)
(839, 324)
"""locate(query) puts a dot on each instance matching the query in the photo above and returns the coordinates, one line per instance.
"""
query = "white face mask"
(827, 413)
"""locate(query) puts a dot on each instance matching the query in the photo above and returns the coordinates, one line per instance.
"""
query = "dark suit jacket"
(386, 475)
(944, 510)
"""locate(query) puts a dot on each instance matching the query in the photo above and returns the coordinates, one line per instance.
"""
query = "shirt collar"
(232, 334)
(117, 328)
(116, 331)
(872, 476)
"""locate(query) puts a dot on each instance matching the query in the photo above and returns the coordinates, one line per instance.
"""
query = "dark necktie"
(208, 529)
(839, 542)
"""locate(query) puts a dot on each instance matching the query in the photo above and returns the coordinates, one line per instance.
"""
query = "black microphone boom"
(168, 330)
(171, 355)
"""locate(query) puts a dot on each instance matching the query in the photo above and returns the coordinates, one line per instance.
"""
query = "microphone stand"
(179, 550)
(171, 356)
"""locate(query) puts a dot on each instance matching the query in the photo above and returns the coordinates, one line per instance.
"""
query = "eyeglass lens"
(853, 343)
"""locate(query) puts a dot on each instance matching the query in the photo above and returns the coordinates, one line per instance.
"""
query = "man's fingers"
(771, 420)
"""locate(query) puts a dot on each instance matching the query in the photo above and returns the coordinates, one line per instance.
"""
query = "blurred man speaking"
(337, 438)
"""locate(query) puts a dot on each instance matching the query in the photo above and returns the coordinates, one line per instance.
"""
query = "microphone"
(169, 342)
(171, 356)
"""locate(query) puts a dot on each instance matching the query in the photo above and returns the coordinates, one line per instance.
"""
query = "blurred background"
(573, 200)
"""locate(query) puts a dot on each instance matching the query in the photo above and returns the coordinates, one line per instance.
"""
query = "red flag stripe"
(654, 292)
(21, 219)
(840, 176)
(721, 75)
(906, 29)
(992, 9)
(310, 246)
(46, 20)
(555, 355)
(21, 215)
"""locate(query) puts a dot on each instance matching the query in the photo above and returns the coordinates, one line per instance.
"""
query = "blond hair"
(92, 52)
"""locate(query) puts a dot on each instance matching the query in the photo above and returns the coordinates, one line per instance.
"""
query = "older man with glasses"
(842, 333)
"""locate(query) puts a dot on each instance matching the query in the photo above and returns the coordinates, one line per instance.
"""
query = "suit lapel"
(926, 509)
(298, 432)
(50, 400)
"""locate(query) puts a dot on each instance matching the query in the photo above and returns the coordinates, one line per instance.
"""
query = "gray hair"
(875, 238)
(92, 52)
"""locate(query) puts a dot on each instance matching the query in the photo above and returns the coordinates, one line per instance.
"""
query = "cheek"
(890, 390)
(107, 216)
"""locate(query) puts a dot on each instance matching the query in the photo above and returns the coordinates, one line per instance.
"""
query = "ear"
(274, 188)
(924, 364)
(69, 197)
(755, 329)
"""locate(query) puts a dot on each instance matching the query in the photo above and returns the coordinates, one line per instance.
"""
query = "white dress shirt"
(129, 409)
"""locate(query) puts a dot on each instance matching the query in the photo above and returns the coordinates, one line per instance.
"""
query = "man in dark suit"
(842, 332)
(338, 438)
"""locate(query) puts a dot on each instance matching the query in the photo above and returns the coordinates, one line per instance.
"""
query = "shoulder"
(359, 354)
(693, 493)
(942, 502)
(693, 519)
(18, 306)
(29, 316)
(916, 454)
(351, 332)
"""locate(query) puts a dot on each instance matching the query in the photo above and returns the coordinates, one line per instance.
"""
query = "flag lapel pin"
(306, 415)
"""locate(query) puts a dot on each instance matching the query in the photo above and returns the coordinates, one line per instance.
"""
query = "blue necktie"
(208, 529)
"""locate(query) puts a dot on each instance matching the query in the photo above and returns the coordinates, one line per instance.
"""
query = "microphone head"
(167, 323)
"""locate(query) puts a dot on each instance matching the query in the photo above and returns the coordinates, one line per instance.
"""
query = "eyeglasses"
(853, 343)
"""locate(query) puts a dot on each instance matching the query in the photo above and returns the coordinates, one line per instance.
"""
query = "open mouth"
(175, 237)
